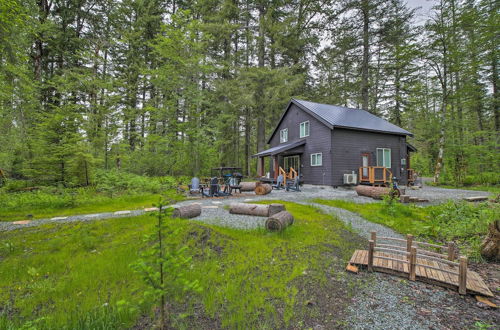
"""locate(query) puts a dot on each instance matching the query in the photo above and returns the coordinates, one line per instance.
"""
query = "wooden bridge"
(415, 260)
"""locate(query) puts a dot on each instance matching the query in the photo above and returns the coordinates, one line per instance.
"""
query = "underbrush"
(113, 191)
(464, 223)
(77, 276)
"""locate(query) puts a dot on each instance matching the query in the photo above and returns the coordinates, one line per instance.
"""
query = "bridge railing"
(409, 250)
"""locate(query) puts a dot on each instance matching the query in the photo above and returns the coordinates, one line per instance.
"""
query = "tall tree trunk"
(365, 9)
(261, 121)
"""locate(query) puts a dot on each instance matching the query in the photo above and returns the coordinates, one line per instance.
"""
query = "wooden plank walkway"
(438, 275)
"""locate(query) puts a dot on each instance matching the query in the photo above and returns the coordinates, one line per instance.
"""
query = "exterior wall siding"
(318, 141)
(348, 145)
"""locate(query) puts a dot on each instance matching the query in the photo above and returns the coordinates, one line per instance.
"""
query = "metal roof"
(280, 148)
(351, 118)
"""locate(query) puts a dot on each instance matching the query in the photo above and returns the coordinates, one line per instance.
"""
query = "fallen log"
(476, 199)
(490, 248)
(263, 189)
(405, 199)
(259, 210)
(248, 186)
(279, 221)
(373, 192)
(187, 211)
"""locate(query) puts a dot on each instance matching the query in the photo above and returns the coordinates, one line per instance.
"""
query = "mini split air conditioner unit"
(351, 178)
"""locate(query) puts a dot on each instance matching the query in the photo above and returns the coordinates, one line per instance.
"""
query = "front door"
(291, 162)
(365, 160)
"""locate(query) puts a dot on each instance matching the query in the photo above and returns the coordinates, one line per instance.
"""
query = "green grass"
(461, 222)
(43, 204)
(491, 189)
(77, 276)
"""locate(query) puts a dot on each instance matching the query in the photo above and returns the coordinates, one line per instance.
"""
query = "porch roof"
(279, 149)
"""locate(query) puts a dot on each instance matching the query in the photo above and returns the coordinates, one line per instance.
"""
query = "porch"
(284, 159)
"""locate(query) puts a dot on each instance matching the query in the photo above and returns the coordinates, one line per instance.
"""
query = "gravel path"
(214, 212)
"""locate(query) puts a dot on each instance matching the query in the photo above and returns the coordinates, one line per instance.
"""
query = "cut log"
(490, 248)
(373, 192)
(476, 199)
(187, 211)
(352, 269)
(279, 221)
(414, 199)
(405, 199)
(248, 186)
(259, 210)
(263, 189)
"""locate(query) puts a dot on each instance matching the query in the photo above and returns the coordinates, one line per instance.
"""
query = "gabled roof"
(337, 116)
(280, 148)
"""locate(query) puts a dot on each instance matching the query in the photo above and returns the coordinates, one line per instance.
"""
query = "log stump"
(259, 210)
(279, 221)
(373, 192)
(490, 248)
(187, 211)
(248, 186)
(263, 189)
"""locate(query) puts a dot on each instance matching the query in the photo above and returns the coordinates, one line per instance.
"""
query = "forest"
(173, 87)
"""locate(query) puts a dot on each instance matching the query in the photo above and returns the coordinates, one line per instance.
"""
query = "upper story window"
(284, 135)
(384, 157)
(304, 129)
(317, 159)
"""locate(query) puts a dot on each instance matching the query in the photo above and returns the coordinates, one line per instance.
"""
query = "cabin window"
(284, 135)
(384, 157)
(304, 129)
(317, 159)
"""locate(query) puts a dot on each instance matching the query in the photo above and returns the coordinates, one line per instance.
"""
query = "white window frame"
(385, 162)
(303, 124)
(315, 155)
(284, 135)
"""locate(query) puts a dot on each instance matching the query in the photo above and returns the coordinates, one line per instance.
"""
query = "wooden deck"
(426, 270)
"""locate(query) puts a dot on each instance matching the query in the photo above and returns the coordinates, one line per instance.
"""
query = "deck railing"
(292, 174)
(376, 175)
(411, 249)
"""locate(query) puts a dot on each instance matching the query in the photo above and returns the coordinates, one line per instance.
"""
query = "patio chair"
(214, 189)
(279, 183)
(293, 185)
(194, 187)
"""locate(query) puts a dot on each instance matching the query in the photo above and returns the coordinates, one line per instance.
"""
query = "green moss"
(78, 275)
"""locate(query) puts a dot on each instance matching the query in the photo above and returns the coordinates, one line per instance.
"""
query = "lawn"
(77, 276)
(462, 222)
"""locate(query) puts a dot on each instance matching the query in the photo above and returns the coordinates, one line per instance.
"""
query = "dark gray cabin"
(323, 142)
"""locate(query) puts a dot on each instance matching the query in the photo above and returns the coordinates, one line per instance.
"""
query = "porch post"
(275, 167)
(260, 166)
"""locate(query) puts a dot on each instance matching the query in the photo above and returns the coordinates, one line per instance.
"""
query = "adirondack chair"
(279, 183)
(293, 185)
(194, 187)
(214, 189)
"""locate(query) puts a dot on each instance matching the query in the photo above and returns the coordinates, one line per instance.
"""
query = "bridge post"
(413, 264)
(374, 237)
(462, 276)
(409, 243)
(370, 255)
(451, 251)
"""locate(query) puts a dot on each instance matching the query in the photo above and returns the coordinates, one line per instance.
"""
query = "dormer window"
(284, 135)
(304, 129)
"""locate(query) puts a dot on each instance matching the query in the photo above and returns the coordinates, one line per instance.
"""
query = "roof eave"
(374, 130)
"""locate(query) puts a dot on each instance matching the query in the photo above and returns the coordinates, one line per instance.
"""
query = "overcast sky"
(423, 11)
